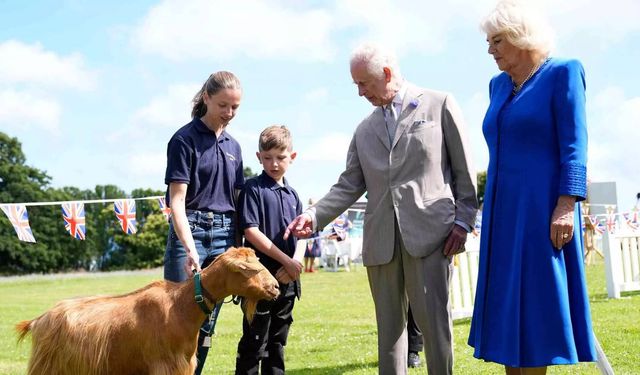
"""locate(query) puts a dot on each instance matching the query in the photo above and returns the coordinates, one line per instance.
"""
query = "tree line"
(106, 247)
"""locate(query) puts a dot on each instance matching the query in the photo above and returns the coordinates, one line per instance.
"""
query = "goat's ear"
(247, 269)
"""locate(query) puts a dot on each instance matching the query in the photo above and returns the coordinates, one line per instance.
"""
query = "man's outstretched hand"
(300, 227)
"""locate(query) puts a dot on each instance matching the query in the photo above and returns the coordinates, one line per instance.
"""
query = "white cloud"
(22, 63)
(331, 147)
(614, 133)
(604, 21)
(221, 30)
(160, 117)
(147, 165)
(19, 110)
(316, 97)
(474, 110)
(170, 109)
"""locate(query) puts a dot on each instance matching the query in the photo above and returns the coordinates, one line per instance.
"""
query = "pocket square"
(419, 122)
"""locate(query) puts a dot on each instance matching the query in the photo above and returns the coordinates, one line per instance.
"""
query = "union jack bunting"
(74, 222)
(166, 211)
(611, 223)
(17, 214)
(598, 227)
(126, 213)
(341, 226)
(632, 220)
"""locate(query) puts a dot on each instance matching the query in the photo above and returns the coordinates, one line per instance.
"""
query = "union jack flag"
(74, 223)
(632, 220)
(611, 223)
(166, 211)
(341, 225)
(598, 227)
(126, 213)
(17, 214)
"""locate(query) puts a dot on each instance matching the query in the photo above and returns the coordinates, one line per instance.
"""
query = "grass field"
(334, 330)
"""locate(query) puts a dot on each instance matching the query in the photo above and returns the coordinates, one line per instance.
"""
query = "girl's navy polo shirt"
(211, 167)
(270, 207)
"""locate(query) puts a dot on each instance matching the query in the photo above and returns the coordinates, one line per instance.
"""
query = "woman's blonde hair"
(216, 82)
(523, 26)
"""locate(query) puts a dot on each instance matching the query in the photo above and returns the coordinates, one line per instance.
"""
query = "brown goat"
(152, 330)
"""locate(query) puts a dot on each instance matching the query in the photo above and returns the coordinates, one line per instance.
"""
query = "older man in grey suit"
(411, 157)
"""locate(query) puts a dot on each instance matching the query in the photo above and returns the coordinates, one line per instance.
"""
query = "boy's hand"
(283, 276)
(293, 268)
(301, 227)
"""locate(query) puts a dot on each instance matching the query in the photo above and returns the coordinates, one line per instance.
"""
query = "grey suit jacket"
(424, 178)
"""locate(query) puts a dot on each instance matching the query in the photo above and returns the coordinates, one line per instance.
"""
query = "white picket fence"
(622, 262)
(462, 289)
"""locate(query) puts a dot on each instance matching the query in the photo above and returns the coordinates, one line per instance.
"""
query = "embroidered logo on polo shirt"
(233, 158)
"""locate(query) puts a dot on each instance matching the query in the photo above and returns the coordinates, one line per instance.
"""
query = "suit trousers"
(424, 282)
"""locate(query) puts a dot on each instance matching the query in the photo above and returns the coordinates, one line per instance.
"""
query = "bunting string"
(73, 215)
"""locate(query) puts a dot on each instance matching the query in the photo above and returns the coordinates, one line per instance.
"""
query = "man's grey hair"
(522, 25)
(376, 57)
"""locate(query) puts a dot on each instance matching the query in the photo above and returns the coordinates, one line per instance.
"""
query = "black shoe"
(413, 360)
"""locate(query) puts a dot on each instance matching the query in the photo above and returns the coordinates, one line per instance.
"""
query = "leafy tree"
(482, 181)
(248, 173)
(146, 248)
(21, 183)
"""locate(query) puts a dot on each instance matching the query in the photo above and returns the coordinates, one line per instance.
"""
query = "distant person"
(531, 306)
(314, 248)
(204, 174)
(411, 157)
(267, 203)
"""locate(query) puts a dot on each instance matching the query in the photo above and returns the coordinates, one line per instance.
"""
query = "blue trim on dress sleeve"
(573, 180)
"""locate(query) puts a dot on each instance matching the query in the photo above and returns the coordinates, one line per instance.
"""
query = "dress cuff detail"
(573, 180)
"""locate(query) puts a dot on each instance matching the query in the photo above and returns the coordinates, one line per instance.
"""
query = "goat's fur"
(152, 330)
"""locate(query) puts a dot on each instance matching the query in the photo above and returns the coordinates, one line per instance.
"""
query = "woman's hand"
(192, 262)
(561, 230)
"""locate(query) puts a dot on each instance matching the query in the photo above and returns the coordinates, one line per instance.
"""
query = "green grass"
(334, 330)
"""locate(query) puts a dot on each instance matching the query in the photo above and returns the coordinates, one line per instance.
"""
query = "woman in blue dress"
(531, 306)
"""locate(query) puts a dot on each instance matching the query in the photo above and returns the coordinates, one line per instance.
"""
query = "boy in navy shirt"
(267, 205)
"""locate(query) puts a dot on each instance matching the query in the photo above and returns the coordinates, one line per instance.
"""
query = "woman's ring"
(566, 235)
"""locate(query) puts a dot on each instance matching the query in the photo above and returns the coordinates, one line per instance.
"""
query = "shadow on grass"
(459, 322)
(604, 297)
(334, 369)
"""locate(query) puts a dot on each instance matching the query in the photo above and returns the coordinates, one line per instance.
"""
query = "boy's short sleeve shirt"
(270, 207)
(211, 167)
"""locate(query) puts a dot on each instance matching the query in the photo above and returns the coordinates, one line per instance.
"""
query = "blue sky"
(94, 90)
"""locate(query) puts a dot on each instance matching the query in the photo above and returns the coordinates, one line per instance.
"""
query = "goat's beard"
(249, 308)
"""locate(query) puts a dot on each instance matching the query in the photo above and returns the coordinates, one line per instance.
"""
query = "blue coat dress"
(531, 305)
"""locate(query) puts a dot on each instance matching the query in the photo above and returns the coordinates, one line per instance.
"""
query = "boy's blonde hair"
(275, 136)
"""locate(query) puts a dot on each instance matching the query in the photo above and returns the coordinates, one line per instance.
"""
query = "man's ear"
(258, 156)
(387, 74)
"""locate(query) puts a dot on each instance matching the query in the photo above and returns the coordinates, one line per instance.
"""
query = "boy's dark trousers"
(263, 340)
(414, 335)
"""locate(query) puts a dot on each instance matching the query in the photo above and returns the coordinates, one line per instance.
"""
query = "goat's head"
(247, 277)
